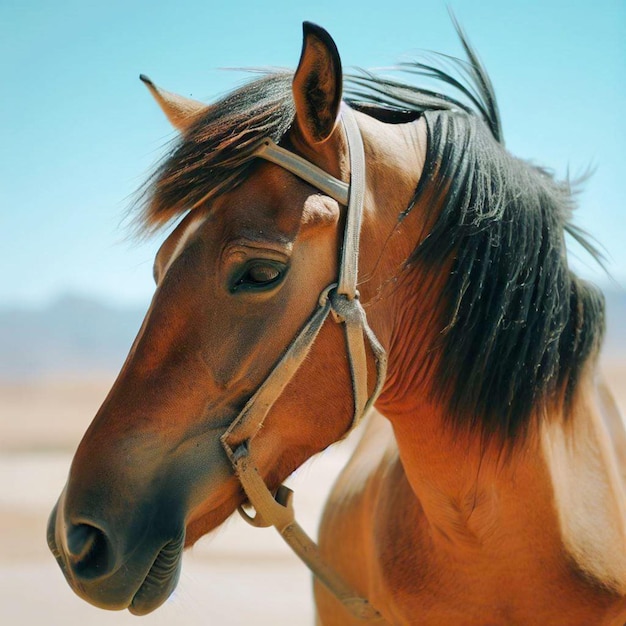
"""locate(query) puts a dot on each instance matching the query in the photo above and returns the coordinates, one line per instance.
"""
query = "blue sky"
(80, 132)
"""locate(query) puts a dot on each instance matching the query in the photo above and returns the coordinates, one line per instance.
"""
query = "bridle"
(341, 299)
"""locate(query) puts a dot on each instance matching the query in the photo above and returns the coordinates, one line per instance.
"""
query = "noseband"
(341, 299)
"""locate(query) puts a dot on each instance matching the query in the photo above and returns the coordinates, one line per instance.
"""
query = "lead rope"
(342, 300)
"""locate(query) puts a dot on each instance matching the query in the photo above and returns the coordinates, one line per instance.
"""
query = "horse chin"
(161, 579)
(201, 523)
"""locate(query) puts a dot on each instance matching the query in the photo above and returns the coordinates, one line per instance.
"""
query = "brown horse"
(488, 487)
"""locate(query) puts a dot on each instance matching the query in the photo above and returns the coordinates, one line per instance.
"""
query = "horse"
(378, 255)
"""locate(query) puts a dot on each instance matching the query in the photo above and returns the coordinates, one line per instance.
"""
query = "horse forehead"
(272, 205)
(272, 200)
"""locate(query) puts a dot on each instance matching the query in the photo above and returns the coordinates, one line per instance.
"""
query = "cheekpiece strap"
(340, 299)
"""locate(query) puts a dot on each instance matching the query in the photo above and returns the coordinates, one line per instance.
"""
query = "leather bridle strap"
(342, 300)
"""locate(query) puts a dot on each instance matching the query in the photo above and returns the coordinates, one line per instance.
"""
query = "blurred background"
(80, 134)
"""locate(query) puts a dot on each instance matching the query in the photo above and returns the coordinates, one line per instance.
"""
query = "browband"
(308, 172)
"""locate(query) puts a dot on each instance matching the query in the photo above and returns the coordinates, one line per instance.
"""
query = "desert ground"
(239, 575)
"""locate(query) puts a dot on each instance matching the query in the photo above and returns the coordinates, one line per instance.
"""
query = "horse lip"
(52, 542)
(51, 530)
(161, 579)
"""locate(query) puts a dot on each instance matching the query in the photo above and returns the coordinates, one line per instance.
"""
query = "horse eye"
(259, 275)
(262, 274)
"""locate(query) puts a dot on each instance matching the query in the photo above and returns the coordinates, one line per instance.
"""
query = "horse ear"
(180, 111)
(317, 85)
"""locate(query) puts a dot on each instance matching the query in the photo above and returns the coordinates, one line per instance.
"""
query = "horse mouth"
(157, 585)
(161, 579)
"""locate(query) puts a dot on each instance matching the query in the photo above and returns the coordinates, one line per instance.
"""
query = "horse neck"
(476, 497)
(555, 500)
(403, 306)
(445, 472)
(551, 491)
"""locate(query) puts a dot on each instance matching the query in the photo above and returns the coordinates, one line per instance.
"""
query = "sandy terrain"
(240, 575)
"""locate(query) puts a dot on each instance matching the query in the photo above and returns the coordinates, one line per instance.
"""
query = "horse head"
(236, 281)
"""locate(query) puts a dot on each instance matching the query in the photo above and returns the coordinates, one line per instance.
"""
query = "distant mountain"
(80, 336)
(73, 334)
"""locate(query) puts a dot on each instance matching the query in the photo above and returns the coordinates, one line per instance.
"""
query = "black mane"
(518, 325)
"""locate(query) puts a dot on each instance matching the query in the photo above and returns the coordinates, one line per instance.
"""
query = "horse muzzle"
(137, 573)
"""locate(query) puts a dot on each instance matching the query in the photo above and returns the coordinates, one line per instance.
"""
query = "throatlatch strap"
(278, 512)
(342, 300)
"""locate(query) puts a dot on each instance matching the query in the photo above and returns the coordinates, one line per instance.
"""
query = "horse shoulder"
(587, 463)
(371, 504)
(346, 525)
(615, 425)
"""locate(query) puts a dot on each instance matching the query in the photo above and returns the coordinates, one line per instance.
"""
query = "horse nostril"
(80, 540)
(89, 550)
